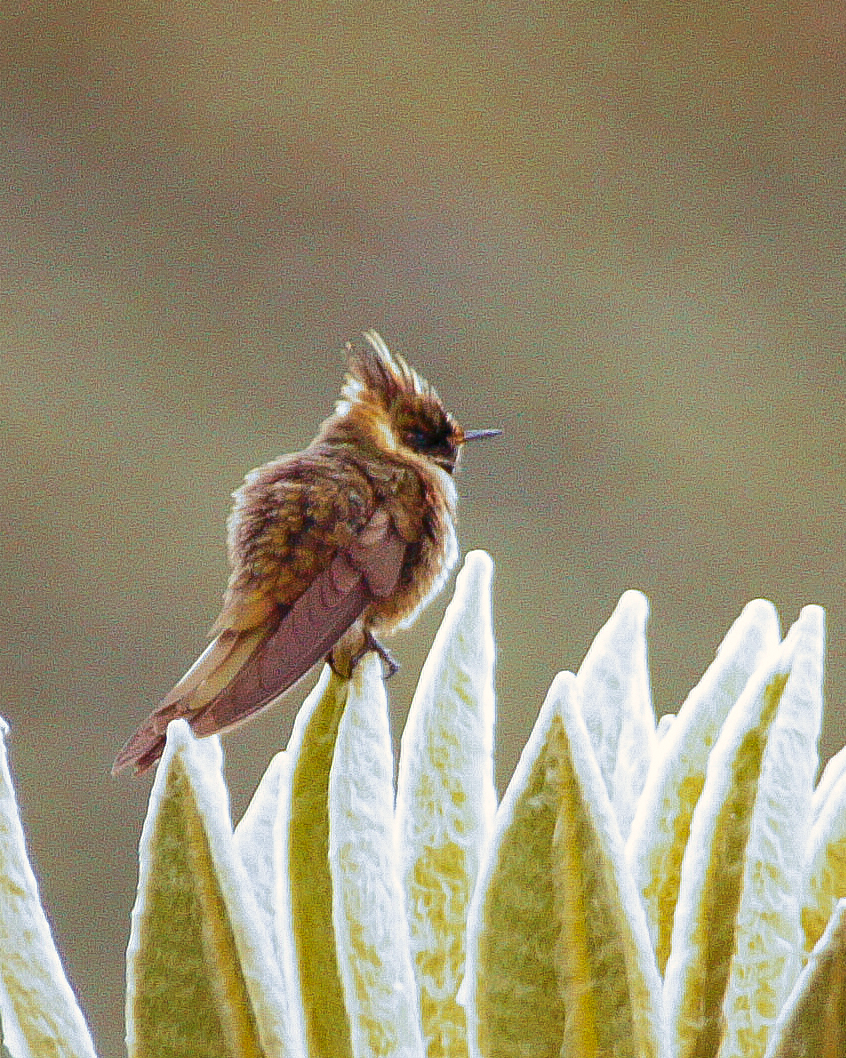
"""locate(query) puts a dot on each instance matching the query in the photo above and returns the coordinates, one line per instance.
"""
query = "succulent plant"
(660, 891)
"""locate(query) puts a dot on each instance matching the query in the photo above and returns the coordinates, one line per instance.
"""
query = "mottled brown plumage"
(329, 548)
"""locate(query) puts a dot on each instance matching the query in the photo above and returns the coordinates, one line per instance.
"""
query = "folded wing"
(244, 669)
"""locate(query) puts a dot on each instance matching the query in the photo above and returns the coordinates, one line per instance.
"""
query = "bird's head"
(397, 408)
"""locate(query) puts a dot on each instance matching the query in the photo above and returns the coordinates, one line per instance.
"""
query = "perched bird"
(329, 548)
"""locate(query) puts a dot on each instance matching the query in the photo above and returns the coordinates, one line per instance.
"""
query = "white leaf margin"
(202, 760)
(617, 705)
(368, 905)
(37, 1005)
(261, 842)
(563, 701)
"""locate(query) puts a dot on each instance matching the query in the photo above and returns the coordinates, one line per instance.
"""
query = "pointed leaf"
(371, 929)
(826, 871)
(256, 840)
(617, 702)
(304, 860)
(39, 1012)
(764, 970)
(813, 1021)
(446, 800)
(735, 940)
(559, 959)
(510, 990)
(201, 979)
(831, 776)
(677, 774)
(260, 839)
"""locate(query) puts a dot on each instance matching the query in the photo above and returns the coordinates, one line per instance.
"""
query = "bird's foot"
(343, 662)
(385, 656)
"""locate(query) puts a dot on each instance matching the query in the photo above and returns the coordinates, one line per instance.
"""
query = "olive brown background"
(616, 230)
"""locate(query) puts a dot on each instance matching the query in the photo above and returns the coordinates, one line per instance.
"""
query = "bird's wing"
(242, 670)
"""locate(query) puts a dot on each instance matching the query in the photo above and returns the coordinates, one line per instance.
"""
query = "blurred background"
(615, 230)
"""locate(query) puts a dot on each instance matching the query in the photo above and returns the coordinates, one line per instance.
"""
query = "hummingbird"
(329, 548)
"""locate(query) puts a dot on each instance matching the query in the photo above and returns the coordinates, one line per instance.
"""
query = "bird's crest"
(374, 372)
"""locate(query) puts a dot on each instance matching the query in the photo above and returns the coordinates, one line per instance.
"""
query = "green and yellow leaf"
(735, 943)
(304, 861)
(813, 1021)
(39, 1012)
(260, 838)
(371, 928)
(617, 703)
(559, 958)
(446, 801)
(676, 776)
(201, 976)
(826, 870)
(257, 840)
(833, 772)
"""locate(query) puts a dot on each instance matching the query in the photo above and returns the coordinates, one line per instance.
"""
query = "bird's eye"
(419, 440)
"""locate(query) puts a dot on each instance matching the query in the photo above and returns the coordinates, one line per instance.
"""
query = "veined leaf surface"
(304, 860)
(559, 958)
(617, 703)
(368, 908)
(446, 801)
(261, 840)
(825, 882)
(201, 975)
(735, 944)
(40, 1015)
(676, 776)
(813, 1021)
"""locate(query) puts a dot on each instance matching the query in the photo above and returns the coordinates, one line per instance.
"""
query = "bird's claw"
(343, 663)
(385, 656)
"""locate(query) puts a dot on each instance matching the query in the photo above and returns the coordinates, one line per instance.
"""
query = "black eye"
(421, 440)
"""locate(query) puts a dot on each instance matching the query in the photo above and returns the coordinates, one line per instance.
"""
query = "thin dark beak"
(477, 435)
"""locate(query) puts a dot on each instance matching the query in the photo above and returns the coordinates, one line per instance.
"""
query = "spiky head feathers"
(382, 385)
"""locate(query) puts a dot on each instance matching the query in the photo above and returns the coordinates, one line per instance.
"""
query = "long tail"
(243, 671)
(217, 667)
